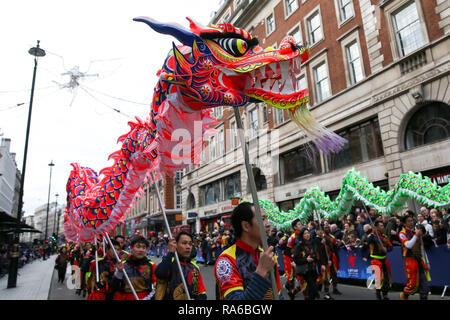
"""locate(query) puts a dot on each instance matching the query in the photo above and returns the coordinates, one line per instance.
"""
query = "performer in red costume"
(100, 288)
(415, 259)
(169, 283)
(242, 270)
(140, 271)
(288, 259)
(379, 245)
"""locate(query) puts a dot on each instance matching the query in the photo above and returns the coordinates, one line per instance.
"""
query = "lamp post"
(14, 261)
(51, 165)
(56, 213)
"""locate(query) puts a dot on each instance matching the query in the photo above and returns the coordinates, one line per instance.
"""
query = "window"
(212, 148)
(226, 16)
(203, 161)
(429, 124)
(314, 27)
(221, 145)
(279, 115)
(408, 32)
(218, 112)
(223, 189)
(178, 199)
(211, 193)
(321, 82)
(270, 24)
(190, 201)
(354, 62)
(233, 134)
(178, 176)
(253, 119)
(364, 144)
(302, 84)
(232, 186)
(265, 113)
(345, 10)
(296, 34)
(298, 163)
(291, 6)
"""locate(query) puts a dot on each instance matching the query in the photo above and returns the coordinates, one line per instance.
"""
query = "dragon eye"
(235, 46)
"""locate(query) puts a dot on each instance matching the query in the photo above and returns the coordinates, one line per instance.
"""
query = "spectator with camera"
(439, 233)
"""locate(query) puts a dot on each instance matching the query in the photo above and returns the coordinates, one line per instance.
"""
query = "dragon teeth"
(275, 86)
(267, 85)
(288, 87)
(284, 70)
(258, 83)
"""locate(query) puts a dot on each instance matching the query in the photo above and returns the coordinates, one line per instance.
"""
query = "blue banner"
(352, 265)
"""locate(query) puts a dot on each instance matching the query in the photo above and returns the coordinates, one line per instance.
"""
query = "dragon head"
(224, 66)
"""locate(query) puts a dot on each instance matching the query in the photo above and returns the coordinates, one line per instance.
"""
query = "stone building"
(378, 75)
(146, 215)
(9, 179)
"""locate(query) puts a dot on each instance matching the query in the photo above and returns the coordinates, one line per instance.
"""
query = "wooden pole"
(124, 272)
(251, 179)
(163, 209)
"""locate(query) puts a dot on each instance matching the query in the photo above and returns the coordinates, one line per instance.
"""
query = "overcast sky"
(120, 55)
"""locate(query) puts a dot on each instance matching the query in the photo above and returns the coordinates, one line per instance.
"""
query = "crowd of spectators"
(210, 243)
(352, 230)
(27, 254)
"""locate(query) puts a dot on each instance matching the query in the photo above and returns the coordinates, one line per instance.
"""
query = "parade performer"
(288, 259)
(325, 251)
(169, 284)
(123, 254)
(88, 255)
(379, 245)
(241, 270)
(100, 288)
(61, 264)
(309, 264)
(333, 256)
(75, 258)
(415, 260)
(139, 269)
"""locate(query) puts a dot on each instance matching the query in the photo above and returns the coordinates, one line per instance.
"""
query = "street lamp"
(14, 261)
(51, 165)
(56, 209)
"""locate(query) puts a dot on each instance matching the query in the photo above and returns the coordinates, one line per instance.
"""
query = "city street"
(349, 292)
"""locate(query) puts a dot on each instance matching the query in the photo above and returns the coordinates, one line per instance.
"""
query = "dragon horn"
(181, 34)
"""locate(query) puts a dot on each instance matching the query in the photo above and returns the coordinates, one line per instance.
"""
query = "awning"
(215, 216)
(9, 224)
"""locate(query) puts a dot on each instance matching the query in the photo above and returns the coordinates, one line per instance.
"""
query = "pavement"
(33, 281)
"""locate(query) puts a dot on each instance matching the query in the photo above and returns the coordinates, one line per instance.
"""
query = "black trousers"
(311, 289)
(62, 272)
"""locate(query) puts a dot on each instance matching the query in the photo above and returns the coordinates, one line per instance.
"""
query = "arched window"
(190, 201)
(429, 124)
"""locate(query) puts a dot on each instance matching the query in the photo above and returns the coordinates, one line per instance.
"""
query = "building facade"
(40, 220)
(378, 75)
(9, 179)
(146, 215)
